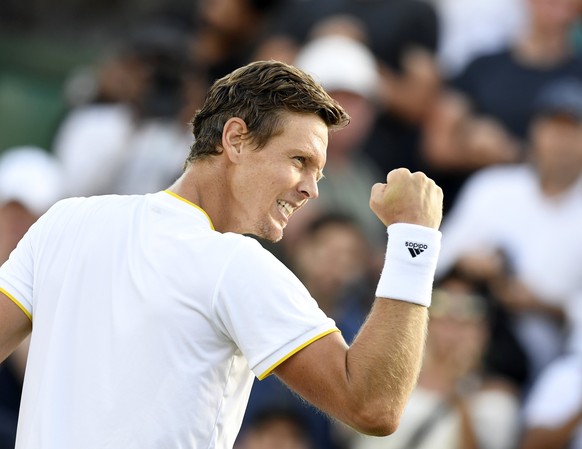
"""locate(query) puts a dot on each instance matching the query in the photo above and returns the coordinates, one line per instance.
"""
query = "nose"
(308, 187)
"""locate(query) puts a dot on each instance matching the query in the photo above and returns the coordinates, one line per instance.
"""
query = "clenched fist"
(408, 198)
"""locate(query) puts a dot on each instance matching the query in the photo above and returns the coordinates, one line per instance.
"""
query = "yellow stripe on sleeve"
(18, 303)
(295, 351)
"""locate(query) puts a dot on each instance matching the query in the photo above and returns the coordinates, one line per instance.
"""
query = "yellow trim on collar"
(18, 303)
(295, 351)
(175, 195)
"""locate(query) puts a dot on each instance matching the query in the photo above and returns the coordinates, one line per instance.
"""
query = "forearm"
(366, 385)
(383, 363)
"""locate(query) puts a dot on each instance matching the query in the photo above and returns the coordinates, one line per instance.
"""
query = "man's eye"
(301, 159)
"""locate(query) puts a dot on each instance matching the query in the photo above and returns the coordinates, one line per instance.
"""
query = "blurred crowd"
(485, 96)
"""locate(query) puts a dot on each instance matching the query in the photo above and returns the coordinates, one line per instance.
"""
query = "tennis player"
(150, 314)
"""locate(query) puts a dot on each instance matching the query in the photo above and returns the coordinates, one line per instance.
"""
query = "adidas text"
(415, 248)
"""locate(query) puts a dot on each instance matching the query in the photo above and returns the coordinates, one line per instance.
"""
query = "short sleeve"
(262, 306)
(17, 274)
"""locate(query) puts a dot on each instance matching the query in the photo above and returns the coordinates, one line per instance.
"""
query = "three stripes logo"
(415, 248)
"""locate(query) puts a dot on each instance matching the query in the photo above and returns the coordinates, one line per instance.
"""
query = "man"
(150, 313)
(483, 116)
(510, 219)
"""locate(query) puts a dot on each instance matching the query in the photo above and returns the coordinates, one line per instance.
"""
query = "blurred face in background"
(333, 257)
(457, 330)
(557, 146)
(351, 138)
(229, 17)
(122, 79)
(554, 14)
(279, 433)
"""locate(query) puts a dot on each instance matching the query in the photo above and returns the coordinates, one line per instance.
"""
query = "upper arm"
(366, 385)
(15, 325)
(318, 374)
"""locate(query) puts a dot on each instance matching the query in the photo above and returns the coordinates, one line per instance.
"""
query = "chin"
(277, 238)
(271, 233)
(272, 237)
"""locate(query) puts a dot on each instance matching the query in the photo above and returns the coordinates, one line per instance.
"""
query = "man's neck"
(543, 49)
(202, 183)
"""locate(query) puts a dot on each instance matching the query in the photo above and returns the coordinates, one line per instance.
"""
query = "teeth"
(285, 207)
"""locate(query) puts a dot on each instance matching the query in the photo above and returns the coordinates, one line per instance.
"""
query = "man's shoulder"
(492, 58)
(249, 251)
(502, 176)
(244, 243)
(91, 202)
(500, 184)
(482, 66)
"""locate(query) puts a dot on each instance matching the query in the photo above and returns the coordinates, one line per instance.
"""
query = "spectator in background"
(347, 70)
(332, 257)
(455, 405)
(227, 33)
(553, 411)
(31, 180)
(134, 137)
(516, 228)
(275, 428)
(470, 28)
(402, 35)
(483, 118)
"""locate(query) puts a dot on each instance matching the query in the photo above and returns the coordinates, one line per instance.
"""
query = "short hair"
(259, 93)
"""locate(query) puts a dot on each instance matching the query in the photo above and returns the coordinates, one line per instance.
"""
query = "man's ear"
(233, 138)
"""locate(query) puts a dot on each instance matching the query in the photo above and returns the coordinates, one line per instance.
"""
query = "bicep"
(318, 373)
(15, 325)
(366, 385)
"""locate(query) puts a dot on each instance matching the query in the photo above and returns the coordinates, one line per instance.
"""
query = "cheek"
(251, 186)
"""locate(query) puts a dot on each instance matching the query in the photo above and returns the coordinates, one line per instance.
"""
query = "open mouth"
(285, 208)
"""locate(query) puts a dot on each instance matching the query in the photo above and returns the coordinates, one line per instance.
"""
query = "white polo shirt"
(505, 207)
(147, 324)
(556, 397)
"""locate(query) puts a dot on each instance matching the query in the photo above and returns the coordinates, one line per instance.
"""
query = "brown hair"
(259, 93)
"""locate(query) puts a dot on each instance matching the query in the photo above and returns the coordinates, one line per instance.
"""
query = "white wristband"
(411, 259)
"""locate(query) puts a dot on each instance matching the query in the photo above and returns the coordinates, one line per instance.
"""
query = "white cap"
(32, 177)
(340, 63)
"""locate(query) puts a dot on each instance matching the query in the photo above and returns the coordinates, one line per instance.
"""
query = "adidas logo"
(415, 248)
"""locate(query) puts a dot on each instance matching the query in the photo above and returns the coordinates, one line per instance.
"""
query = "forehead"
(306, 132)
